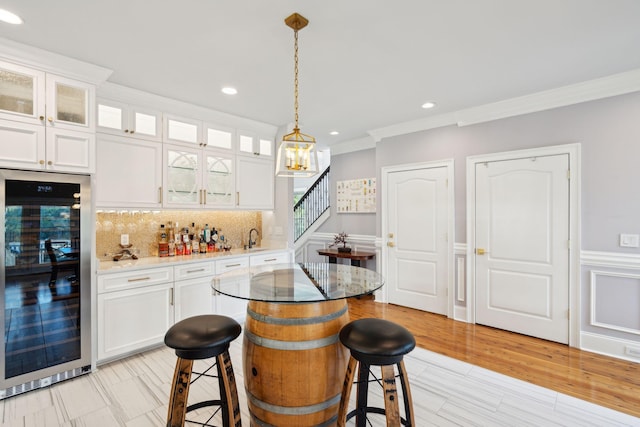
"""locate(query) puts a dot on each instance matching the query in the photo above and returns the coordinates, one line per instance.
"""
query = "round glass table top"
(304, 282)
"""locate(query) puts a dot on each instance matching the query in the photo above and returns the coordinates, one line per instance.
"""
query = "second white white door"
(522, 246)
(417, 208)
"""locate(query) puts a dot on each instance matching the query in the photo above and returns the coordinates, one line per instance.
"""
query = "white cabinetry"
(270, 258)
(135, 309)
(255, 183)
(46, 121)
(197, 177)
(193, 293)
(129, 173)
(250, 143)
(235, 308)
(129, 120)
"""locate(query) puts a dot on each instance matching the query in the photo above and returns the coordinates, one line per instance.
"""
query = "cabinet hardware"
(195, 271)
(171, 296)
(139, 279)
(270, 259)
(132, 131)
(390, 235)
(391, 244)
(49, 162)
(41, 162)
(41, 117)
(159, 194)
(50, 119)
(237, 198)
(480, 251)
(126, 131)
(204, 196)
(232, 265)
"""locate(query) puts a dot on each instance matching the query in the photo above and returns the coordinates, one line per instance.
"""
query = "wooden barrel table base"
(294, 363)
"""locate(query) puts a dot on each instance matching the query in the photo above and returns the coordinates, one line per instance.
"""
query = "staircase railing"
(312, 205)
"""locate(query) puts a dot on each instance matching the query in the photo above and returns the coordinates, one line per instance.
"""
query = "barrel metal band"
(291, 345)
(294, 410)
(296, 320)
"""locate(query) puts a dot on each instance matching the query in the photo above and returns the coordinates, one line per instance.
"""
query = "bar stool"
(376, 342)
(196, 338)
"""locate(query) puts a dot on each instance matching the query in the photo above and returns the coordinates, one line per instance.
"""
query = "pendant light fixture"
(297, 155)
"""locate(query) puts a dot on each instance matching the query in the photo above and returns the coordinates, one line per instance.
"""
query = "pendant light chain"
(295, 79)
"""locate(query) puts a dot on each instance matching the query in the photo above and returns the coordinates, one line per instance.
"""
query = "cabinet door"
(235, 308)
(22, 145)
(70, 151)
(121, 119)
(182, 177)
(255, 182)
(270, 258)
(250, 143)
(219, 180)
(219, 137)
(182, 131)
(193, 298)
(132, 320)
(22, 94)
(128, 173)
(70, 104)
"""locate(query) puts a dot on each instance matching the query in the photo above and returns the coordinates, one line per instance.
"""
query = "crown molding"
(52, 62)
(613, 85)
(352, 146)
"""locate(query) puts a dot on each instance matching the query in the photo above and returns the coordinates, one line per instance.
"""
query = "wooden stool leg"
(346, 392)
(227, 380)
(390, 396)
(179, 393)
(408, 401)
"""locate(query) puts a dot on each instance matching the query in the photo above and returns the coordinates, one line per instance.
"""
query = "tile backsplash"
(143, 228)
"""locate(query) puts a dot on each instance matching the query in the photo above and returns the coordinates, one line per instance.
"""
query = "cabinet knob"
(391, 244)
(132, 131)
(41, 162)
(126, 131)
(41, 117)
(50, 163)
(50, 119)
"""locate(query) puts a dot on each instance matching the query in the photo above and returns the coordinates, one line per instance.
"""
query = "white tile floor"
(446, 392)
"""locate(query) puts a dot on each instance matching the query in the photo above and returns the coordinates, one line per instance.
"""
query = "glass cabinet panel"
(219, 138)
(145, 124)
(71, 104)
(246, 144)
(110, 117)
(219, 180)
(266, 147)
(181, 131)
(182, 177)
(16, 92)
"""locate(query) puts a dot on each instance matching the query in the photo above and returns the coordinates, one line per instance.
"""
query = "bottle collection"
(174, 241)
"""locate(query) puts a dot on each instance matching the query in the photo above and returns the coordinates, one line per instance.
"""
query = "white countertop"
(105, 267)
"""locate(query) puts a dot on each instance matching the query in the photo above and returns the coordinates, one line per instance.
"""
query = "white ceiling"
(364, 64)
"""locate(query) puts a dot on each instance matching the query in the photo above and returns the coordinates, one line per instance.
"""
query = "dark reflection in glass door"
(42, 277)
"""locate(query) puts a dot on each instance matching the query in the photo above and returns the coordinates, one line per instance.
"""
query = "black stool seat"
(377, 341)
(201, 337)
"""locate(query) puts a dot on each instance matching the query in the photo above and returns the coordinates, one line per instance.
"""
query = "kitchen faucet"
(252, 242)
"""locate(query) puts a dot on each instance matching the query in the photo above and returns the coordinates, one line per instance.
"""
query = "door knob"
(391, 244)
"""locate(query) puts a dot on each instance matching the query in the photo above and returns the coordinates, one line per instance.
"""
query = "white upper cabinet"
(255, 183)
(123, 119)
(46, 121)
(219, 137)
(128, 173)
(197, 177)
(180, 130)
(252, 144)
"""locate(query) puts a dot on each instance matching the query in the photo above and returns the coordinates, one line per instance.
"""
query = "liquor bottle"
(207, 233)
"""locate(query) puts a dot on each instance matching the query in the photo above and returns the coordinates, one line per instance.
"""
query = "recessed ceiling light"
(334, 132)
(428, 105)
(229, 90)
(9, 17)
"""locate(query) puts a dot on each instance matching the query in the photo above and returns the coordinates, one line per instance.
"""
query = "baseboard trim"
(610, 346)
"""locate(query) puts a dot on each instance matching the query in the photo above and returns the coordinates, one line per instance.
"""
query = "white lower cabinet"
(193, 293)
(133, 319)
(270, 258)
(235, 308)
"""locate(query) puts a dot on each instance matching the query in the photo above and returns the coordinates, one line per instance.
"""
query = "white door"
(522, 246)
(416, 204)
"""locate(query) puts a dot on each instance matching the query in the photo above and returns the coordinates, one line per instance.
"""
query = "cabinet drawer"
(222, 266)
(134, 279)
(270, 258)
(193, 270)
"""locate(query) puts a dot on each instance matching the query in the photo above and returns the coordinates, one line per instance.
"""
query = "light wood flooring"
(456, 376)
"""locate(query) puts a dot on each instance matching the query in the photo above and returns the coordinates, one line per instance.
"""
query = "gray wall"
(608, 130)
(360, 164)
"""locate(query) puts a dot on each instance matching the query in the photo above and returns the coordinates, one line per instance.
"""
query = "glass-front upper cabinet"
(249, 143)
(219, 137)
(219, 180)
(123, 119)
(22, 95)
(35, 97)
(182, 131)
(182, 177)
